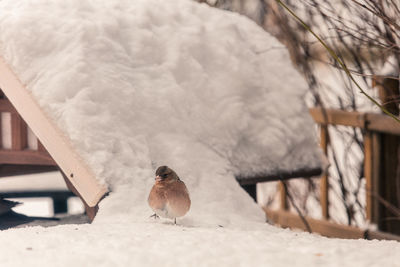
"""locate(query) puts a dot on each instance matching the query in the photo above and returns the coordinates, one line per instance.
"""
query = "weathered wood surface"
(278, 176)
(324, 182)
(326, 228)
(372, 173)
(25, 157)
(369, 121)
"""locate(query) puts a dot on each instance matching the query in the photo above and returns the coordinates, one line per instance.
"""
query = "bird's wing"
(157, 199)
(178, 198)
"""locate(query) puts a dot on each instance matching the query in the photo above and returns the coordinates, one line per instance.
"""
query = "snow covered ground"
(138, 84)
(162, 244)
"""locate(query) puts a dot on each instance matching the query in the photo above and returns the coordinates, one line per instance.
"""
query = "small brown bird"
(169, 197)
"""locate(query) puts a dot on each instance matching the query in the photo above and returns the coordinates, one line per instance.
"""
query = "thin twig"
(303, 219)
(341, 63)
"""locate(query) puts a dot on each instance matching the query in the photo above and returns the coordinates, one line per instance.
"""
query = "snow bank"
(138, 84)
(153, 244)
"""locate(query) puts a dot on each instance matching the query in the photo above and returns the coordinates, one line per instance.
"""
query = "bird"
(169, 197)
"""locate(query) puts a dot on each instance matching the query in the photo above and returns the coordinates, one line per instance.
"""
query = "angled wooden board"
(52, 138)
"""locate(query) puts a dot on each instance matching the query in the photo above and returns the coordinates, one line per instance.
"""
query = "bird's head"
(164, 173)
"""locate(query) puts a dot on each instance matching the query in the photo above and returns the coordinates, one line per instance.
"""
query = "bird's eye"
(164, 175)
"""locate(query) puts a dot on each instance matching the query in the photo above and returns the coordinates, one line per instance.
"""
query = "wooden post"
(372, 167)
(90, 211)
(368, 170)
(1, 132)
(324, 183)
(388, 192)
(19, 134)
(283, 194)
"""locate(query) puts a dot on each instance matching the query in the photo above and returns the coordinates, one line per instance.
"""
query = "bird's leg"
(155, 216)
(175, 221)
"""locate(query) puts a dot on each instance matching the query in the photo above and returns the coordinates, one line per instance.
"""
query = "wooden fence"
(381, 141)
(19, 158)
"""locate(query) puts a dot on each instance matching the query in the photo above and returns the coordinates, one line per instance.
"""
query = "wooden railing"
(17, 157)
(376, 128)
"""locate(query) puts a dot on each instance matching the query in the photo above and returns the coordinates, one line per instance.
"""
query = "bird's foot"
(175, 221)
(155, 216)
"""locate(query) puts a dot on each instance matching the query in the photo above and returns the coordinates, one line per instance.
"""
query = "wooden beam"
(90, 211)
(323, 227)
(19, 133)
(326, 228)
(37, 193)
(382, 123)
(368, 170)
(279, 175)
(371, 121)
(337, 117)
(7, 170)
(40, 146)
(375, 177)
(324, 182)
(1, 131)
(25, 157)
(58, 145)
(284, 205)
(6, 106)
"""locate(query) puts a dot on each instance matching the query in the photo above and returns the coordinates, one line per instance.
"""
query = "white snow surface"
(158, 244)
(138, 84)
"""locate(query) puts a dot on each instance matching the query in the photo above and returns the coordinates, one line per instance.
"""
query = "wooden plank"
(19, 133)
(323, 227)
(382, 123)
(27, 157)
(1, 131)
(338, 117)
(60, 148)
(37, 193)
(324, 183)
(371, 235)
(368, 172)
(90, 211)
(388, 185)
(279, 175)
(372, 167)
(371, 121)
(7, 170)
(40, 146)
(6, 106)
(284, 205)
(375, 176)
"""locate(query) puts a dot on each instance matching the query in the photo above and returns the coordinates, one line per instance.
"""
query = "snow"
(184, 85)
(138, 84)
(158, 244)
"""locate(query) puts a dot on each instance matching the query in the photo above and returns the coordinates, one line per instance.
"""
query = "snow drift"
(138, 84)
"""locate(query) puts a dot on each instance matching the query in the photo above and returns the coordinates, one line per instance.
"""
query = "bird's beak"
(158, 178)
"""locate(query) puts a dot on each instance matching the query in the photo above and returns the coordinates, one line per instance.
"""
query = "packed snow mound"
(138, 84)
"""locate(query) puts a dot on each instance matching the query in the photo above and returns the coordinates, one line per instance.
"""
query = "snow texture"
(154, 244)
(207, 92)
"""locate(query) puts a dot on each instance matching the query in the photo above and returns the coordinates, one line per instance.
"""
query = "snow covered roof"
(117, 88)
